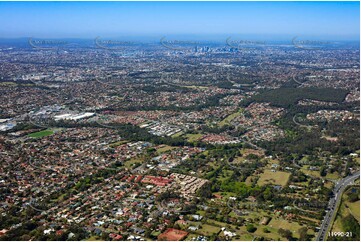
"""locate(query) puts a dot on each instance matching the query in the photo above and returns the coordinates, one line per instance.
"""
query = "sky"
(320, 20)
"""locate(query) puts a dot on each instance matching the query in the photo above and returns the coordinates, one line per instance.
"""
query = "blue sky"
(325, 20)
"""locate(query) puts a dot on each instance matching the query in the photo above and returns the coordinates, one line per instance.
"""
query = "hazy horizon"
(251, 20)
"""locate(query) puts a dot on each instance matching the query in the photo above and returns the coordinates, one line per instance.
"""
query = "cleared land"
(275, 178)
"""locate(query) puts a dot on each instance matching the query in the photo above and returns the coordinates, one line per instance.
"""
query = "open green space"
(193, 137)
(285, 224)
(115, 144)
(8, 84)
(208, 230)
(131, 162)
(275, 178)
(40, 134)
(354, 209)
(94, 238)
(164, 148)
(177, 134)
(229, 118)
(347, 217)
(196, 87)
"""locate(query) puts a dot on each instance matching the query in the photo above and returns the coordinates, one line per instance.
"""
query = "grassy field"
(305, 170)
(129, 163)
(94, 238)
(8, 84)
(177, 134)
(344, 210)
(193, 137)
(190, 236)
(337, 224)
(238, 160)
(121, 142)
(246, 152)
(354, 209)
(273, 227)
(196, 87)
(276, 178)
(284, 224)
(164, 148)
(334, 176)
(208, 230)
(41, 134)
(229, 118)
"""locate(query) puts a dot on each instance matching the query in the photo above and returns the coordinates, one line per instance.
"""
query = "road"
(332, 205)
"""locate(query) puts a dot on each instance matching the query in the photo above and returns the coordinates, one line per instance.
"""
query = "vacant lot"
(276, 178)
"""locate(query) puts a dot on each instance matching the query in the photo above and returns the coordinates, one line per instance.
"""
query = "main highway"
(333, 204)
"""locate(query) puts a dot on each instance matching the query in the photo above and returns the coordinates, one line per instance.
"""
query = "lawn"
(41, 134)
(276, 178)
(221, 224)
(208, 230)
